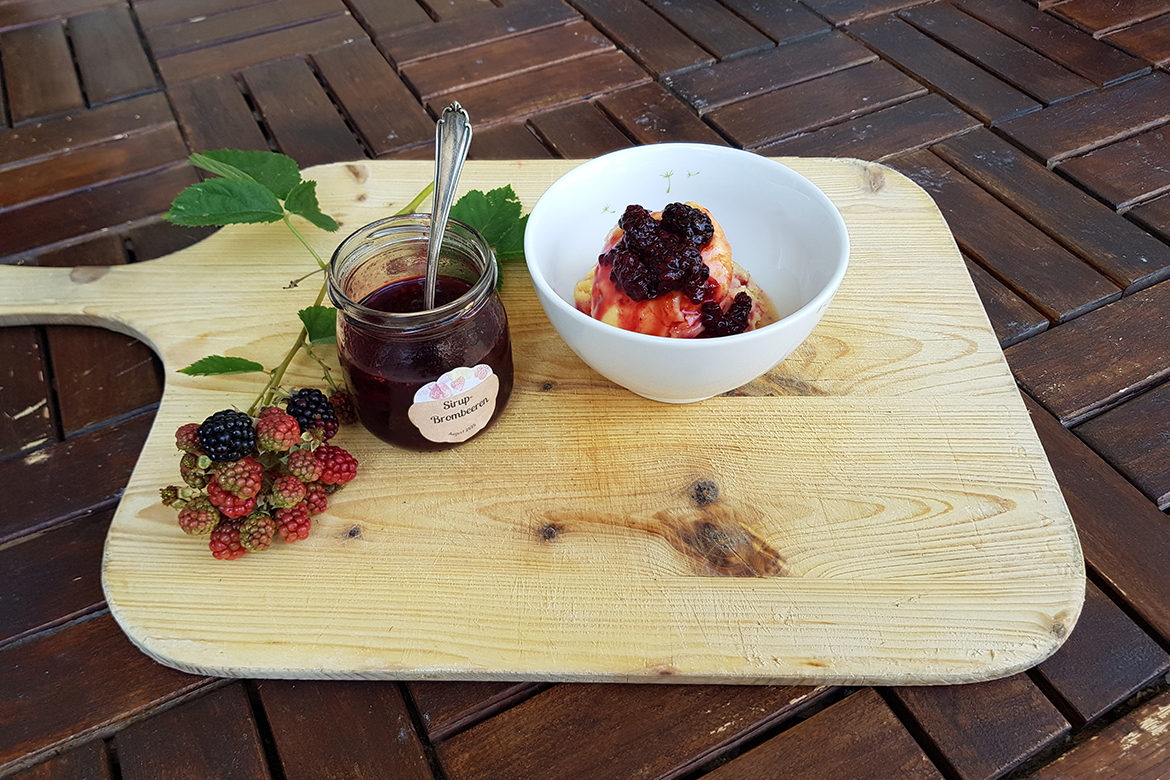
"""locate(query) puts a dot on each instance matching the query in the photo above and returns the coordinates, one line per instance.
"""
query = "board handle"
(81, 295)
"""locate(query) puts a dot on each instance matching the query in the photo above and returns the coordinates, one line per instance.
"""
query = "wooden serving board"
(875, 510)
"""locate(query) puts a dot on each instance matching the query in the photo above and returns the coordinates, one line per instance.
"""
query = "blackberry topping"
(312, 409)
(227, 436)
(716, 322)
(654, 258)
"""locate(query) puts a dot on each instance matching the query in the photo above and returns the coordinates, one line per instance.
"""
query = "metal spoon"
(452, 139)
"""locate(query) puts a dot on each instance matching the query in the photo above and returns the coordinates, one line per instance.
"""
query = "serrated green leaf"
(273, 170)
(302, 201)
(320, 324)
(225, 202)
(217, 167)
(493, 214)
(218, 364)
(511, 244)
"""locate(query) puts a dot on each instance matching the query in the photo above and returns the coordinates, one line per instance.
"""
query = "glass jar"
(425, 379)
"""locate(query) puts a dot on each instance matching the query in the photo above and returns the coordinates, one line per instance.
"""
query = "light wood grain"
(883, 486)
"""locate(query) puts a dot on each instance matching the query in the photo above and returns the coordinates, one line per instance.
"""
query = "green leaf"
(511, 244)
(218, 364)
(320, 324)
(496, 215)
(225, 202)
(275, 171)
(302, 200)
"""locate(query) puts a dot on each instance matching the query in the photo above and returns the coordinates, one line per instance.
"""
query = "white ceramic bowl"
(780, 226)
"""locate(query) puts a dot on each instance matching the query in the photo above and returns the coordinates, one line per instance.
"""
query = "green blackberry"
(227, 436)
(312, 409)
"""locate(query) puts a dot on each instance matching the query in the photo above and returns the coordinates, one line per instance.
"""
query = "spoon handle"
(452, 139)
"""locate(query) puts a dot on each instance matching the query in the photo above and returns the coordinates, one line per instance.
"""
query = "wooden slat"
(712, 86)
(512, 141)
(847, 11)
(236, 55)
(579, 132)
(650, 114)
(489, 24)
(648, 731)
(51, 578)
(780, 20)
(213, 735)
(238, 24)
(1099, 62)
(1011, 317)
(300, 115)
(155, 239)
(1148, 40)
(1105, 660)
(16, 13)
(380, 106)
(26, 407)
(101, 250)
(95, 467)
(1154, 217)
(215, 115)
(713, 27)
(454, 9)
(1017, 253)
(960, 80)
(362, 729)
(1133, 438)
(1125, 173)
(75, 684)
(1085, 367)
(653, 42)
(814, 104)
(1090, 121)
(905, 127)
(984, 730)
(78, 129)
(830, 746)
(1100, 17)
(500, 59)
(159, 13)
(446, 708)
(382, 17)
(110, 55)
(1015, 63)
(1125, 254)
(38, 72)
(545, 88)
(89, 761)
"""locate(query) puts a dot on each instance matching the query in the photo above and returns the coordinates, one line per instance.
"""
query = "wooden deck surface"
(1040, 127)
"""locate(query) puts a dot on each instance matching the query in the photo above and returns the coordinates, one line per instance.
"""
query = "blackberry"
(227, 436)
(657, 257)
(312, 409)
(716, 322)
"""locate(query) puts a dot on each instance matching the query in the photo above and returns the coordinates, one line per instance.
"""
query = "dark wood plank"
(160, 13)
(579, 132)
(712, 86)
(446, 708)
(361, 729)
(1090, 121)
(987, 729)
(1018, 254)
(238, 24)
(454, 9)
(617, 731)
(17, 13)
(78, 129)
(1154, 217)
(1133, 439)
(960, 80)
(300, 115)
(1011, 317)
(1127, 255)
(1125, 173)
(51, 578)
(489, 24)
(214, 735)
(374, 98)
(1148, 40)
(110, 55)
(87, 762)
(500, 59)
(77, 683)
(156, 147)
(1105, 660)
(780, 20)
(814, 104)
(1015, 63)
(915, 124)
(95, 466)
(26, 406)
(1087, 366)
(847, 11)
(830, 746)
(512, 141)
(713, 27)
(1099, 62)
(236, 55)
(382, 17)
(1100, 17)
(38, 72)
(215, 115)
(656, 44)
(650, 114)
(158, 238)
(102, 250)
(545, 88)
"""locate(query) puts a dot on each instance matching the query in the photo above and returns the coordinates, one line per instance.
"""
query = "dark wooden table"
(1039, 126)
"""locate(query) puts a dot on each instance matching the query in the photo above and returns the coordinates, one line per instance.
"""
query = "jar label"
(457, 405)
